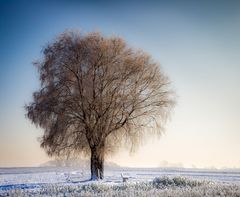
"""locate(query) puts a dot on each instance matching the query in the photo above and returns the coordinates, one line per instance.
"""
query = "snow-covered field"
(46, 181)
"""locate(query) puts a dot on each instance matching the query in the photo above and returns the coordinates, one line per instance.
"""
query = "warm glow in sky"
(196, 42)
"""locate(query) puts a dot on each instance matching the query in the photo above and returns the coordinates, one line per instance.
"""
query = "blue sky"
(196, 42)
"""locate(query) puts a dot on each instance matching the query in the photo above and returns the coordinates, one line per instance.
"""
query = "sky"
(197, 44)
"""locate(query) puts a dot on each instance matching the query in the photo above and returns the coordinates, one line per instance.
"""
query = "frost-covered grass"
(160, 186)
(141, 182)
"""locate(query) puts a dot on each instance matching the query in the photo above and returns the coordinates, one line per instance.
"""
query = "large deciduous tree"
(96, 93)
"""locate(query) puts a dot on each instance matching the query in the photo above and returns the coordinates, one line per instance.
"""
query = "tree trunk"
(97, 163)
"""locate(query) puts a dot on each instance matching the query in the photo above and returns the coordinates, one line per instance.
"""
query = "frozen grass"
(160, 186)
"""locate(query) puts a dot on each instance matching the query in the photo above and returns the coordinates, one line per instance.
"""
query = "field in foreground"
(141, 182)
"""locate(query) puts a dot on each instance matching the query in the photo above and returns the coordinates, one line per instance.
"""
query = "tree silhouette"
(96, 94)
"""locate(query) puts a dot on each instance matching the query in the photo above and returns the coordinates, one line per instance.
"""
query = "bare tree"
(97, 93)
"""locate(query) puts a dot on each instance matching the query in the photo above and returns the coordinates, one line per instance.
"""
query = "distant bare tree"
(97, 93)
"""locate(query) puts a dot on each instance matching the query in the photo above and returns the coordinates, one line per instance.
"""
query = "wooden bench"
(124, 177)
(73, 176)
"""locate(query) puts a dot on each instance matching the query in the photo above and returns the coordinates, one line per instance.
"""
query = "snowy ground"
(47, 181)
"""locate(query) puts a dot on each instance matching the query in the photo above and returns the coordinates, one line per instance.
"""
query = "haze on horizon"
(196, 43)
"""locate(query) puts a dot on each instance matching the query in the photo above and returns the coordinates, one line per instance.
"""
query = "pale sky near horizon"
(197, 44)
